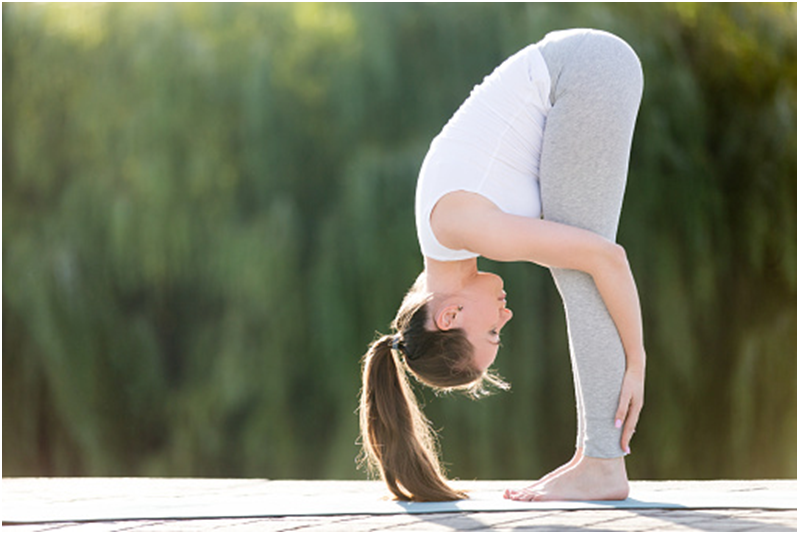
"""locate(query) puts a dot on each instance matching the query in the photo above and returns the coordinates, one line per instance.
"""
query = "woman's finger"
(624, 405)
(629, 426)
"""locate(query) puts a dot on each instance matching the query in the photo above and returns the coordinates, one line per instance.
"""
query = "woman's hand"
(631, 400)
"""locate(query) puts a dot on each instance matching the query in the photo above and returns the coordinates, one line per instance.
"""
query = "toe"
(523, 495)
(512, 494)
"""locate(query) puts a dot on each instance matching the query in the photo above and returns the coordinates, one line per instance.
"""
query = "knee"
(626, 64)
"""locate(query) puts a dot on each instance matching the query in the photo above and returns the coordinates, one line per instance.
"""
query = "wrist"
(636, 361)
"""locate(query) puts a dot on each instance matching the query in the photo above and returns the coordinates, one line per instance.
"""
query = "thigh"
(596, 90)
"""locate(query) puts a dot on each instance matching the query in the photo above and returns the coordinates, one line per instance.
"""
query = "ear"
(448, 317)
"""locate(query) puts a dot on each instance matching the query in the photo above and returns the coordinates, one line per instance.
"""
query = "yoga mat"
(185, 499)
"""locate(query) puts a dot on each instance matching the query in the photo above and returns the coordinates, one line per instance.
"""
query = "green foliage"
(208, 212)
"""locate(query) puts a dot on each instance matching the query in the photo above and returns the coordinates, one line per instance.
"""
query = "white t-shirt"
(491, 146)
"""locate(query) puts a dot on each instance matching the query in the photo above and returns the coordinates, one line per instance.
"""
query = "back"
(491, 146)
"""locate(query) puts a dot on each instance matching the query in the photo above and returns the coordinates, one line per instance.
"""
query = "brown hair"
(397, 439)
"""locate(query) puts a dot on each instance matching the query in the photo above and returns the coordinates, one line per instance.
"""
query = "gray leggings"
(596, 90)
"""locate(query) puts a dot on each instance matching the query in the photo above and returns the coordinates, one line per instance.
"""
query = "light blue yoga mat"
(36, 501)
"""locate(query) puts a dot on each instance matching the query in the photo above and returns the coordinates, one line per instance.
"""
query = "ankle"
(605, 466)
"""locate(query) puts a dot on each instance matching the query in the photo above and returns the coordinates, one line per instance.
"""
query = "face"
(480, 309)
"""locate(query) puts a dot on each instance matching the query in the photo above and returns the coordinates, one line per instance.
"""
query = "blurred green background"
(208, 213)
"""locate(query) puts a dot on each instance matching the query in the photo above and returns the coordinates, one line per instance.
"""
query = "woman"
(532, 167)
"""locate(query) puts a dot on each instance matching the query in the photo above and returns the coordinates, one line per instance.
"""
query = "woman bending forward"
(532, 167)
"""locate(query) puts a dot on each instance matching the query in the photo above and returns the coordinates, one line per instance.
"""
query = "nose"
(507, 313)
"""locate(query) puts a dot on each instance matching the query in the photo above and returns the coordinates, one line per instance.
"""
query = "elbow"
(611, 258)
(617, 255)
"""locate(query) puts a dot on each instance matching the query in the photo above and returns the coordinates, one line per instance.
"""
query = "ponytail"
(396, 436)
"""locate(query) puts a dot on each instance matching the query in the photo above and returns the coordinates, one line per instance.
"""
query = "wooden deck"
(145, 505)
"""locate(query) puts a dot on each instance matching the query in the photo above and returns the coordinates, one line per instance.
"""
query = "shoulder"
(456, 214)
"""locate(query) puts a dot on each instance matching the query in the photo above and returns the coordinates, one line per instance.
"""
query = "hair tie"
(399, 346)
(396, 344)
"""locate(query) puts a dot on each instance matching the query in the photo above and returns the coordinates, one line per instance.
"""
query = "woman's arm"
(469, 221)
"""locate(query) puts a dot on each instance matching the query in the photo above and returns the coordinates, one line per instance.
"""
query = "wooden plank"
(605, 520)
(99, 492)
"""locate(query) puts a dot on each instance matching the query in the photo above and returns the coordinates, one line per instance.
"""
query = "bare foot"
(518, 494)
(590, 479)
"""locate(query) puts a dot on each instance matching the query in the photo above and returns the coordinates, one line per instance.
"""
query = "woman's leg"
(596, 90)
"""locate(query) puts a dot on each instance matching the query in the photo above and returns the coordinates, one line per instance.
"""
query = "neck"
(447, 277)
